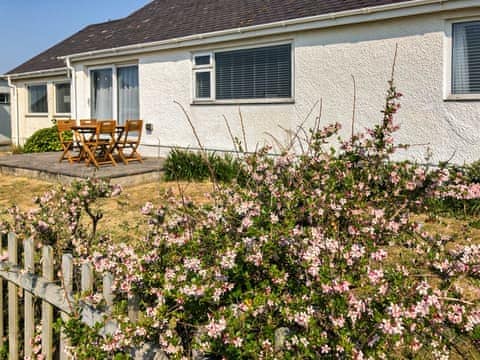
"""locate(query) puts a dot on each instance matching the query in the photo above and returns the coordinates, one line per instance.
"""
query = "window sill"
(244, 102)
(63, 115)
(463, 97)
(36, 115)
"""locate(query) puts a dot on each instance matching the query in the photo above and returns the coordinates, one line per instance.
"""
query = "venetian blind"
(259, 73)
(466, 58)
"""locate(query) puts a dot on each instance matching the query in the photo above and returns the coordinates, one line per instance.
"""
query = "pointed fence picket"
(56, 296)
(12, 301)
(29, 308)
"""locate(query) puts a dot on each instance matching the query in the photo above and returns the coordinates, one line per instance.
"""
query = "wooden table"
(87, 135)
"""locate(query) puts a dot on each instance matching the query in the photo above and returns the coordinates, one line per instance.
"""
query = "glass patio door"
(128, 101)
(101, 94)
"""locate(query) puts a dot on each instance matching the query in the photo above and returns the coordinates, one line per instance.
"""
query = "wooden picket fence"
(55, 293)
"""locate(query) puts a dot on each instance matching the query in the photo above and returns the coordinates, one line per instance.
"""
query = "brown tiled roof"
(167, 19)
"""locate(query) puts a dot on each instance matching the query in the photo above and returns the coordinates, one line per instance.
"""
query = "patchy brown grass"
(122, 218)
(20, 191)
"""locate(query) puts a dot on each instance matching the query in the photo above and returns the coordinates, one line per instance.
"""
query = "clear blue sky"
(31, 26)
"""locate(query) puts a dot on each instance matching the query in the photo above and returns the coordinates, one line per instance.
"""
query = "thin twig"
(278, 142)
(243, 130)
(354, 104)
(301, 126)
(200, 145)
(457, 300)
(231, 135)
(451, 157)
(419, 144)
(181, 192)
(394, 62)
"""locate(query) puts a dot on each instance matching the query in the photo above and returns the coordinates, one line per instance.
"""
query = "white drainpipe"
(17, 122)
(71, 74)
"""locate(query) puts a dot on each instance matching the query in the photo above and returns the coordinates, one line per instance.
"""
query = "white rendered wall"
(325, 61)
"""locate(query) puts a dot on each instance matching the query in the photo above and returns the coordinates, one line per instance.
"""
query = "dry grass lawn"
(122, 217)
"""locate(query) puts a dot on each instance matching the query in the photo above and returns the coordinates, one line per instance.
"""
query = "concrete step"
(5, 147)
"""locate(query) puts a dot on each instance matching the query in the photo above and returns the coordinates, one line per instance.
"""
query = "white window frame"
(114, 68)
(448, 95)
(211, 67)
(28, 112)
(202, 69)
(55, 98)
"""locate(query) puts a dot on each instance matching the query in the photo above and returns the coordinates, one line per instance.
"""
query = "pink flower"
(302, 319)
(338, 322)
(375, 276)
(325, 349)
(215, 328)
(147, 208)
(379, 255)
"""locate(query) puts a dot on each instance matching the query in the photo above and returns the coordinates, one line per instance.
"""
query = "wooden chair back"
(131, 140)
(107, 127)
(100, 146)
(68, 144)
(133, 130)
(65, 125)
(88, 122)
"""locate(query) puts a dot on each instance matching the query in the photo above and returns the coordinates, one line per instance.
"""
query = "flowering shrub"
(460, 196)
(60, 218)
(314, 256)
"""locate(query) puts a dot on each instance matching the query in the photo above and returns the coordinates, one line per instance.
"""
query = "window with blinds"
(243, 74)
(466, 58)
(260, 73)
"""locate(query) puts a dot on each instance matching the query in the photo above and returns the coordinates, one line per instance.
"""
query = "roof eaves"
(368, 13)
(37, 73)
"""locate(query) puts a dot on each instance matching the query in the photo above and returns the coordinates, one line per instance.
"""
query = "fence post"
(12, 301)
(87, 278)
(133, 309)
(2, 324)
(29, 321)
(107, 291)
(67, 275)
(47, 309)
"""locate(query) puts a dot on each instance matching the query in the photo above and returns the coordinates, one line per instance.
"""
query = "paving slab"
(47, 167)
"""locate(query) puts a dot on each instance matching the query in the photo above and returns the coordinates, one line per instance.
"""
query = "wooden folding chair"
(101, 146)
(67, 142)
(87, 122)
(131, 140)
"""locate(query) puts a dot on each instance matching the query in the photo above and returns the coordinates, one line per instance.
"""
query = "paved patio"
(46, 166)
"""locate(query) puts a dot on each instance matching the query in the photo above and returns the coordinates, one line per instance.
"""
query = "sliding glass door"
(102, 94)
(115, 93)
(128, 102)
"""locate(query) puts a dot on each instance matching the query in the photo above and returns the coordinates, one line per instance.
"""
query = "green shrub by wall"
(44, 140)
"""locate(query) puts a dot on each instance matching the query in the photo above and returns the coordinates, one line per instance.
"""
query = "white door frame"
(114, 68)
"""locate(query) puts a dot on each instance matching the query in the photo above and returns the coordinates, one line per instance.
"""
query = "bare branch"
(243, 130)
(354, 104)
(203, 152)
(231, 134)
